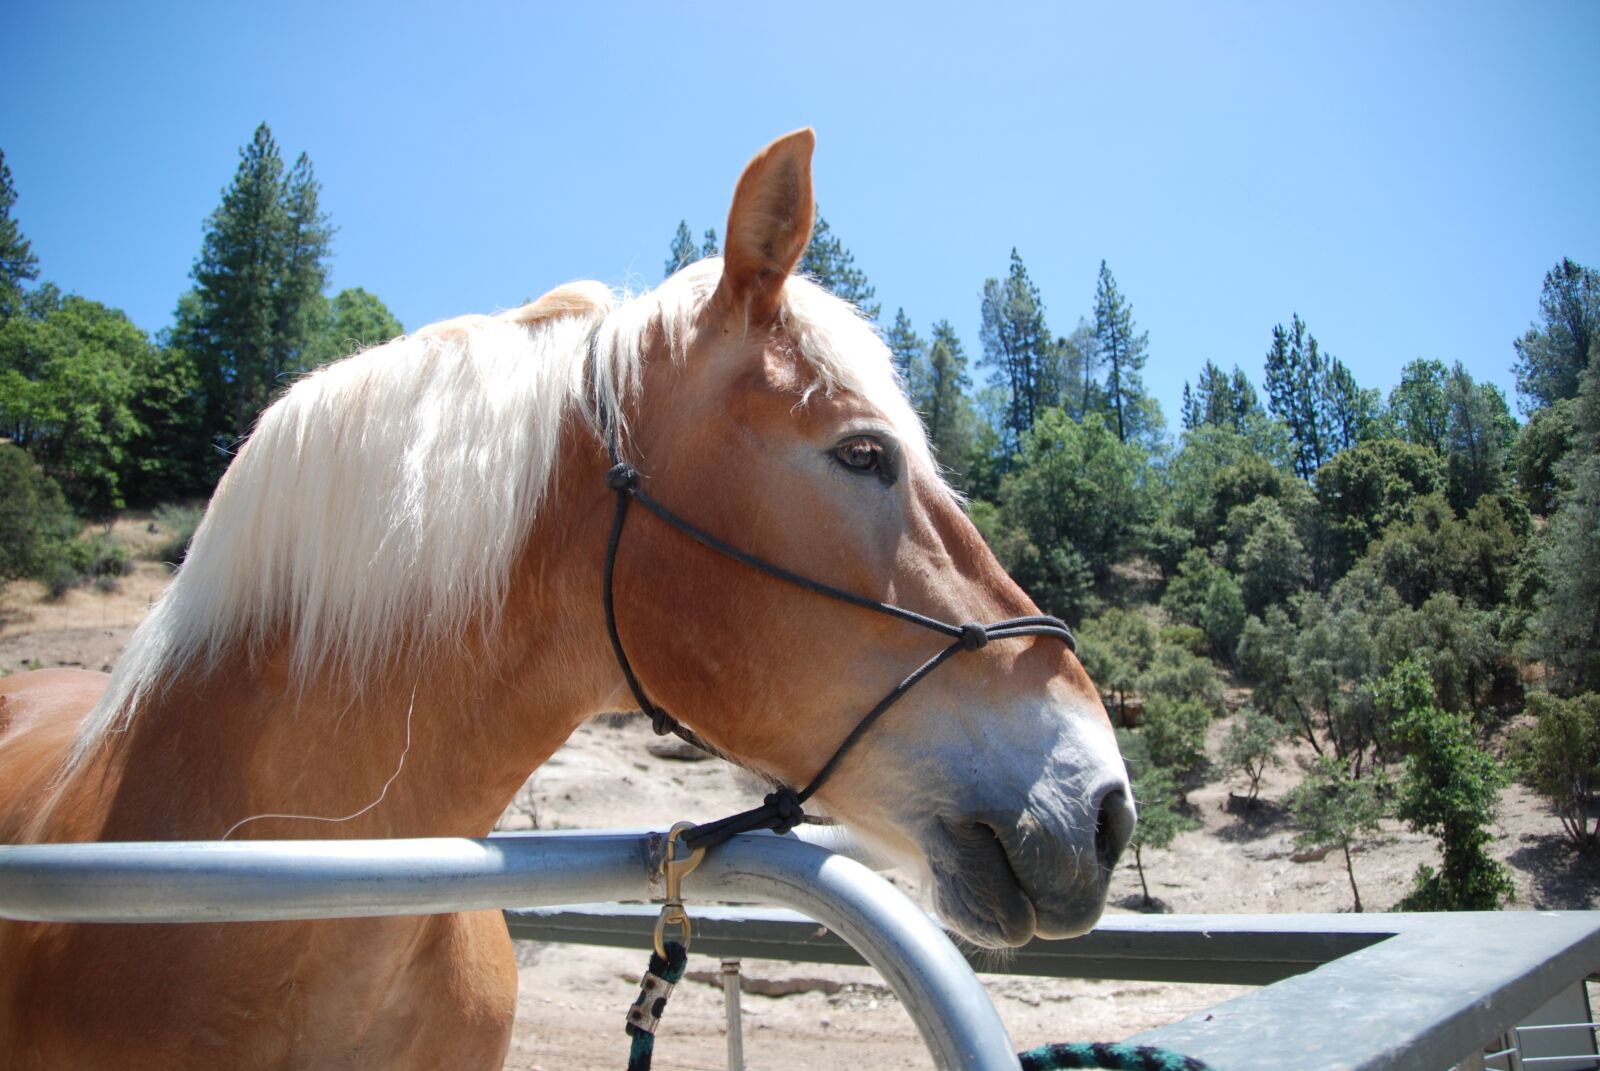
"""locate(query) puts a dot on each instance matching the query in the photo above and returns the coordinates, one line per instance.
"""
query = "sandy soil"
(573, 998)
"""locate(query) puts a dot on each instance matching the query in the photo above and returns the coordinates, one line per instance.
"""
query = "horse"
(392, 614)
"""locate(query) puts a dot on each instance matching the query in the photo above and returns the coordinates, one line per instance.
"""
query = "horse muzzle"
(1002, 877)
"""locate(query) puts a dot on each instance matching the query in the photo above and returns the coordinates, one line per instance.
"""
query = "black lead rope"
(783, 809)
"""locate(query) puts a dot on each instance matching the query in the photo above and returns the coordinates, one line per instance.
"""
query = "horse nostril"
(1113, 827)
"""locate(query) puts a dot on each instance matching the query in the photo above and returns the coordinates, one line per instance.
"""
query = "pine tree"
(1351, 410)
(1220, 399)
(1018, 349)
(944, 404)
(708, 247)
(258, 280)
(683, 252)
(834, 267)
(1480, 434)
(1123, 352)
(17, 262)
(304, 273)
(1551, 357)
(909, 352)
(1079, 360)
(1316, 396)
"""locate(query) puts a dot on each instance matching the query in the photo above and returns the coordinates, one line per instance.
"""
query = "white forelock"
(385, 498)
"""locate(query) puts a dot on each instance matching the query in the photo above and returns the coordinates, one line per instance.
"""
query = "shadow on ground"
(1562, 878)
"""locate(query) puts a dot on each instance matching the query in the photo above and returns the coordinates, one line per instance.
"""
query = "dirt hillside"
(609, 775)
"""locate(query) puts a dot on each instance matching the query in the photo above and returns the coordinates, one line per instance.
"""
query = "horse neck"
(437, 747)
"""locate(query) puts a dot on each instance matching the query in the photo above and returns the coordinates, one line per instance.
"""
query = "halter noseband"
(782, 809)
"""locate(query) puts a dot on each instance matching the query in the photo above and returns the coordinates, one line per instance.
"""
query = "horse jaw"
(1014, 822)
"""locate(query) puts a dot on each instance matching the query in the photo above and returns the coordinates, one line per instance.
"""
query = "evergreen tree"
(944, 404)
(1551, 356)
(1079, 361)
(909, 352)
(1220, 399)
(35, 524)
(834, 267)
(258, 279)
(1541, 444)
(1352, 411)
(708, 246)
(17, 262)
(1123, 353)
(1316, 396)
(1018, 350)
(1479, 438)
(683, 252)
(1566, 623)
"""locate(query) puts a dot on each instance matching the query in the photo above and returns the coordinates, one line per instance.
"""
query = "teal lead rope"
(656, 986)
(1108, 1058)
(645, 1014)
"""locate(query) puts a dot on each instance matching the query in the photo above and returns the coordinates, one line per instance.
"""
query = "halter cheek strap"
(783, 808)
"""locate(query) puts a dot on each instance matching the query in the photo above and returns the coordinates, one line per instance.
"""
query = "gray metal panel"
(1391, 991)
(1121, 948)
(1562, 1037)
(267, 880)
(1423, 999)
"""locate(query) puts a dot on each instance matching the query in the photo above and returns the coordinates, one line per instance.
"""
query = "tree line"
(95, 414)
(1394, 578)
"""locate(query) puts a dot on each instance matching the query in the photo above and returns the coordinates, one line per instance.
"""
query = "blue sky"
(1402, 175)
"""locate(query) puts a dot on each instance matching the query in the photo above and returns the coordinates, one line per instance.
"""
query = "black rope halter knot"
(622, 476)
(783, 809)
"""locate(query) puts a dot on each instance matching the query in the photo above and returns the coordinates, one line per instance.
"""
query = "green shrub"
(178, 524)
(1174, 730)
(35, 524)
(98, 554)
(1558, 756)
(1184, 638)
(1252, 745)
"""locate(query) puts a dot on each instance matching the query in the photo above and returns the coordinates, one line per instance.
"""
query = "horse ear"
(768, 226)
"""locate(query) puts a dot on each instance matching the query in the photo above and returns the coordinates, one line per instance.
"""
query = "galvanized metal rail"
(1347, 991)
(275, 880)
(1383, 991)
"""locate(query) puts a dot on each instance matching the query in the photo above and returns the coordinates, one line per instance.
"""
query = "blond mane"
(386, 497)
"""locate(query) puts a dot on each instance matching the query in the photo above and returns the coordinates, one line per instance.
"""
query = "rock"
(1316, 855)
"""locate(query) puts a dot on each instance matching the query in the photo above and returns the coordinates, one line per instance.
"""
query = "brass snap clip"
(674, 870)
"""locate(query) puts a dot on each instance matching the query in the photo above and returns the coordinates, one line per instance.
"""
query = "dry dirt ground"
(573, 998)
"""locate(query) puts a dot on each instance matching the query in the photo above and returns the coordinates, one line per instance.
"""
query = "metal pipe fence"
(1338, 991)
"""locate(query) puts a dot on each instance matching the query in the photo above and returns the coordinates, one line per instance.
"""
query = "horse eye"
(862, 453)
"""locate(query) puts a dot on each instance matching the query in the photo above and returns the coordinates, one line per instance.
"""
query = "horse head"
(776, 423)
